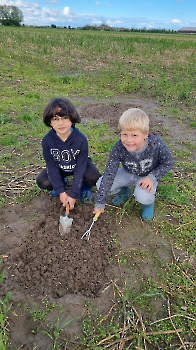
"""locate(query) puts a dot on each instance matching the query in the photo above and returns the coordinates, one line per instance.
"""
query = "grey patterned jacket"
(154, 161)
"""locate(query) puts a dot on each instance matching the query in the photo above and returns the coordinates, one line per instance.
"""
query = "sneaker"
(85, 193)
(86, 196)
(123, 195)
(147, 212)
(54, 194)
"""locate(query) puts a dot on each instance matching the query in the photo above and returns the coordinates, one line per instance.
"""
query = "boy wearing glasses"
(65, 151)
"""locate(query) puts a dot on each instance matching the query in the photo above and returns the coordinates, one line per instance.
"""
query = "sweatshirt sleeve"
(79, 171)
(165, 161)
(52, 169)
(108, 177)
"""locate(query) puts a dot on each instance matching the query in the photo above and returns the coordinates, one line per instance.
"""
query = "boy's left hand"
(147, 184)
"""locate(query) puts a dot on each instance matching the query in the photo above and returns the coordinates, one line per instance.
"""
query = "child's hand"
(95, 211)
(64, 198)
(71, 202)
(147, 184)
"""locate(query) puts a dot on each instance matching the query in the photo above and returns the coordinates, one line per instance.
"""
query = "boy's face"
(61, 125)
(133, 140)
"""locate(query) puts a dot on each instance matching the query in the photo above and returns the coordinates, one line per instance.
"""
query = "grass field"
(38, 64)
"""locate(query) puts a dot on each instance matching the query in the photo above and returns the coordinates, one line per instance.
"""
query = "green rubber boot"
(147, 212)
(123, 195)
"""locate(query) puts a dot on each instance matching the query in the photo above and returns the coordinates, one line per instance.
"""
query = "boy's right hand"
(95, 211)
(64, 198)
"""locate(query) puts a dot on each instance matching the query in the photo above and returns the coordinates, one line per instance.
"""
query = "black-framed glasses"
(57, 119)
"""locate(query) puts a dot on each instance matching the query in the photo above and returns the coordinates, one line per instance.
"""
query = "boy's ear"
(146, 135)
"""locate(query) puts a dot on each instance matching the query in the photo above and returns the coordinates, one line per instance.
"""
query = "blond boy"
(144, 157)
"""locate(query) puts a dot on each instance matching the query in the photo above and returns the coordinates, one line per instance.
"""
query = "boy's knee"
(44, 184)
(144, 197)
(92, 180)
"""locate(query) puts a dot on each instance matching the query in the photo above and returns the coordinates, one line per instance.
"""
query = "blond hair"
(132, 119)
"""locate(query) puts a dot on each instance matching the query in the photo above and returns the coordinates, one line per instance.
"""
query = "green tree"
(10, 15)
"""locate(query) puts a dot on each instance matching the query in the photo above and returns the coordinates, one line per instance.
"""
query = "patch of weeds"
(126, 258)
(7, 140)
(5, 119)
(124, 325)
(182, 232)
(54, 330)
(182, 154)
(178, 282)
(174, 111)
(26, 117)
(166, 140)
(2, 201)
(192, 124)
(39, 314)
(5, 159)
(27, 195)
(173, 190)
(5, 306)
(133, 319)
(190, 145)
(188, 166)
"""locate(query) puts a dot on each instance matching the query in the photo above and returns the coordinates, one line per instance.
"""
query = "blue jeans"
(124, 179)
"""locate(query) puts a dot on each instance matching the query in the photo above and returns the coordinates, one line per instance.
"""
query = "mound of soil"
(48, 263)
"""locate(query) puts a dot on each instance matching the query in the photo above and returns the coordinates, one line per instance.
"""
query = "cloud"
(178, 0)
(49, 13)
(114, 23)
(66, 11)
(19, 3)
(96, 21)
(109, 5)
(53, 2)
(97, 3)
(176, 21)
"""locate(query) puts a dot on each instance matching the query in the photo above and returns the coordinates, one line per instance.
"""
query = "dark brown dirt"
(46, 262)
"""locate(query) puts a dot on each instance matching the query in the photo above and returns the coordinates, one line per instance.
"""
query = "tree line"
(10, 15)
(13, 16)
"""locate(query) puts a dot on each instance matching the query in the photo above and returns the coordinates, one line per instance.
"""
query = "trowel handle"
(67, 209)
(96, 216)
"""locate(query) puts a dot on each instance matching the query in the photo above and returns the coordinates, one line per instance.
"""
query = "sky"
(168, 14)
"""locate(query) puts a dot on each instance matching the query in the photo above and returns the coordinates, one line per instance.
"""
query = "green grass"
(5, 306)
(129, 323)
(96, 63)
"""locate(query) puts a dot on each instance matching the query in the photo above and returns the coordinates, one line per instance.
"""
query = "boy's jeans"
(124, 179)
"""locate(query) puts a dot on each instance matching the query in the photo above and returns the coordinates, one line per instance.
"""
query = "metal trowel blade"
(65, 224)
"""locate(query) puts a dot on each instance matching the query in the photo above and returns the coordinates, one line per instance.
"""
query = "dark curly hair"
(61, 107)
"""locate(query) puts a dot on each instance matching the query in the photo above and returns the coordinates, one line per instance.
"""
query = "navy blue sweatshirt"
(69, 156)
(153, 160)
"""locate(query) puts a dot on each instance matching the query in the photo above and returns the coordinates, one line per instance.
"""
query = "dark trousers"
(90, 177)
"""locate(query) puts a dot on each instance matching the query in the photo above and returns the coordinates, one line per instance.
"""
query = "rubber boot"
(54, 194)
(147, 212)
(85, 193)
(123, 195)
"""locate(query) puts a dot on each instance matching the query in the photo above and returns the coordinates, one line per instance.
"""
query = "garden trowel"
(65, 222)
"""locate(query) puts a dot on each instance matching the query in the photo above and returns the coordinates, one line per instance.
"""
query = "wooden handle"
(96, 216)
(67, 209)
